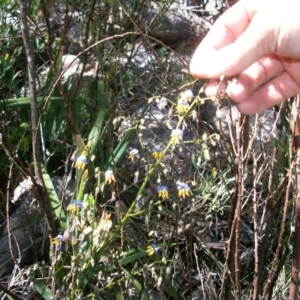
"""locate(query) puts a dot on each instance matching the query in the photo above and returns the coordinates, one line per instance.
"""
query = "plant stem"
(34, 118)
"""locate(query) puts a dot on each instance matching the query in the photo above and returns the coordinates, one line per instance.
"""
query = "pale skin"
(256, 42)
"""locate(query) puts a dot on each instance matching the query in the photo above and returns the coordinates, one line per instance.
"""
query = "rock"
(262, 128)
(176, 25)
(21, 242)
(64, 189)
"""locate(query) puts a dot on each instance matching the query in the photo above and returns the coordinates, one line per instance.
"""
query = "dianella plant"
(166, 193)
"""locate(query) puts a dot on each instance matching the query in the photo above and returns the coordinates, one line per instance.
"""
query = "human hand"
(257, 42)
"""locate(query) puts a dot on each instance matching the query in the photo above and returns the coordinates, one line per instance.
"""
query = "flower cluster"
(182, 106)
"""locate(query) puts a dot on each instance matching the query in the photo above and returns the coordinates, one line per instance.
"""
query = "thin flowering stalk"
(144, 184)
(133, 204)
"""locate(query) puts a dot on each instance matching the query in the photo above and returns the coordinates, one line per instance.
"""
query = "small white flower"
(109, 177)
(182, 106)
(133, 154)
(187, 95)
(161, 103)
(176, 136)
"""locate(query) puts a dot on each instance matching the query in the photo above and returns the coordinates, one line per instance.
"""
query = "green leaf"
(119, 295)
(42, 289)
(139, 289)
(55, 203)
(16, 103)
(120, 149)
(97, 130)
(133, 257)
(172, 289)
(284, 148)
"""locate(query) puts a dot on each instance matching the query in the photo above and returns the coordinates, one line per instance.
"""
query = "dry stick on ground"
(10, 293)
(34, 119)
(296, 236)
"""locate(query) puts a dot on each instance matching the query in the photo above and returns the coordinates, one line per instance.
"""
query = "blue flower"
(183, 189)
(109, 177)
(133, 154)
(182, 106)
(74, 207)
(176, 136)
(151, 249)
(57, 241)
(162, 191)
(161, 103)
(81, 162)
(187, 95)
(157, 153)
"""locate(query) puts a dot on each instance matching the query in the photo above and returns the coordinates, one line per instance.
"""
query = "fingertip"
(235, 91)
(251, 107)
(211, 88)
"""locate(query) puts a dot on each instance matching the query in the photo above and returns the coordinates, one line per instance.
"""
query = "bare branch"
(34, 117)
